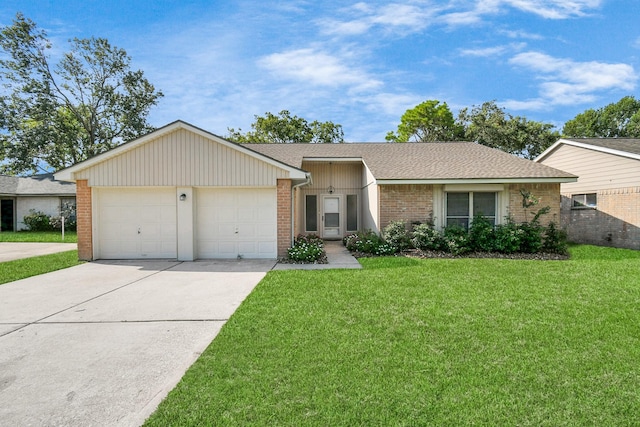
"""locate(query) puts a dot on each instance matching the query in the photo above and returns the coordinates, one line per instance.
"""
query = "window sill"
(583, 208)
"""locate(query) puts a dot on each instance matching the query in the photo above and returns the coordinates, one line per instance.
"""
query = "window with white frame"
(461, 207)
(588, 200)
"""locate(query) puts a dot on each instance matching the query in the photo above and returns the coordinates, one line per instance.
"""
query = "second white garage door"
(235, 223)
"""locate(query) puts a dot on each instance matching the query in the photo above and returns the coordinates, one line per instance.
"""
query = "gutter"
(307, 181)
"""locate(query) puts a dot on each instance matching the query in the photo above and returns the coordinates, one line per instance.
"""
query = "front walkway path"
(337, 256)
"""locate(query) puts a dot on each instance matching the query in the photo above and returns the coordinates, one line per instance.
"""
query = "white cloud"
(567, 82)
(555, 9)
(318, 69)
(492, 51)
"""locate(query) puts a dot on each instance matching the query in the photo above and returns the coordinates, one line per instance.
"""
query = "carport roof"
(441, 162)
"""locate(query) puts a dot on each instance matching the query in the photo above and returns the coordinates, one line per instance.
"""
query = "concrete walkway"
(10, 251)
(337, 256)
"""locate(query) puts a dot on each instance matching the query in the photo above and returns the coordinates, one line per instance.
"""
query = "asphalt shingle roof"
(629, 145)
(416, 161)
(38, 185)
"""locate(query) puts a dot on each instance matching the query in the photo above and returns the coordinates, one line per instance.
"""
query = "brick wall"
(408, 202)
(284, 216)
(615, 222)
(547, 194)
(84, 218)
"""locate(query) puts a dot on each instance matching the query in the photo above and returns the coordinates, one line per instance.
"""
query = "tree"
(285, 129)
(488, 124)
(55, 115)
(616, 120)
(426, 122)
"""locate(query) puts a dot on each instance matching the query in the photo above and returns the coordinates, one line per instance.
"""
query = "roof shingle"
(413, 161)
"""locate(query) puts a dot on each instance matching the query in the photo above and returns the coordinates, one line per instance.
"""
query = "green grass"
(408, 342)
(22, 268)
(39, 236)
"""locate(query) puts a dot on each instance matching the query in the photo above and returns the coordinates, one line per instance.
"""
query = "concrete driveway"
(10, 251)
(102, 343)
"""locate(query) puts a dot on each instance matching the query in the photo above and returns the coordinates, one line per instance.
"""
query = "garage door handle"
(138, 230)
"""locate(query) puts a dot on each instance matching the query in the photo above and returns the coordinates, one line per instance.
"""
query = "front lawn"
(427, 342)
(27, 267)
(39, 236)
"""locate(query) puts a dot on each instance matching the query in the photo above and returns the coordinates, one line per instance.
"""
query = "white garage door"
(137, 223)
(236, 222)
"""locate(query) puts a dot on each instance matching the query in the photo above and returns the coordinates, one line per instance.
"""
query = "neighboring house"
(603, 206)
(20, 195)
(181, 192)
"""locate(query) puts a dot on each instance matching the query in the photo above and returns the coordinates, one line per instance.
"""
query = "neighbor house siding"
(547, 195)
(182, 158)
(406, 202)
(49, 205)
(595, 170)
(614, 222)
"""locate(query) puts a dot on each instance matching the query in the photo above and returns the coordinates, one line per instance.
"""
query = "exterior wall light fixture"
(183, 197)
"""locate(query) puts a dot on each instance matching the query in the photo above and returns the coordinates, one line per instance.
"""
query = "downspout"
(293, 195)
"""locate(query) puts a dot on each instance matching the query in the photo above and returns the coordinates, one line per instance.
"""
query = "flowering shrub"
(425, 237)
(456, 240)
(368, 242)
(306, 249)
(396, 236)
(482, 235)
(37, 221)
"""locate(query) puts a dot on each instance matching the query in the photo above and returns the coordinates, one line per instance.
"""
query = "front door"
(7, 215)
(331, 217)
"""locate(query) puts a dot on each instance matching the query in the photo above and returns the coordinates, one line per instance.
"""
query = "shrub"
(396, 235)
(531, 237)
(482, 236)
(37, 221)
(67, 211)
(555, 239)
(426, 238)
(507, 237)
(306, 249)
(368, 242)
(456, 240)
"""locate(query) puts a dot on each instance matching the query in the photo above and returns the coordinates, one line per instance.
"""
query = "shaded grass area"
(23, 268)
(39, 236)
(427, 342)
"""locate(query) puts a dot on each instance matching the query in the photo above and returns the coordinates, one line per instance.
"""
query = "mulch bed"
(416, 253)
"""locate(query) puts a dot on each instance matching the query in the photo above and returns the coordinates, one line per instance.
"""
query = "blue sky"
(361, 63)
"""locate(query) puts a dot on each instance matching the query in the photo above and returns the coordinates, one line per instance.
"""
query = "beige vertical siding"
(344, 177)
(596, 170)
(183, 158)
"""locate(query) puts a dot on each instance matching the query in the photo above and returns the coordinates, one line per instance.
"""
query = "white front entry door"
(331, 217)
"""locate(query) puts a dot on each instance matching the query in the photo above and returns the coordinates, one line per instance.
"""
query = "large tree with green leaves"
(616, 120)
(284, 128)
(490, 125)
(429, 121)
(55, 115)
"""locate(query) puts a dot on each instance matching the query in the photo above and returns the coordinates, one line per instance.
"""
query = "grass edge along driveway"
(426, 342)
(27, 267)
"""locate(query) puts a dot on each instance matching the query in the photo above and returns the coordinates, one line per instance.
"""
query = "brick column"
(83, 213)
(284, 216)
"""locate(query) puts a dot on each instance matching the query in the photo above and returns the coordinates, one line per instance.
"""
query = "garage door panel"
(240, 221)
(137, 223)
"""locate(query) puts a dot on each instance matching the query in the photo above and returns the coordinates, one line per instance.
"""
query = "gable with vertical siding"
(182, 158)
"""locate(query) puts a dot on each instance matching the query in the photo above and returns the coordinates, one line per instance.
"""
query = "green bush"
(368, 242)
(456, 240)
(37, 221)
(426, 238)
(68, 211)
(306, 249)
(482, 236)
(508, 237)
(555, 239)
(396, 235)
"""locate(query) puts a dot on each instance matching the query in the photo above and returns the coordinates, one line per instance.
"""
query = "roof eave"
(586, 146)
(548, 180)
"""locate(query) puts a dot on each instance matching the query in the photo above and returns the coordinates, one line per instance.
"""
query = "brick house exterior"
(184, 193)
(603, 206)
